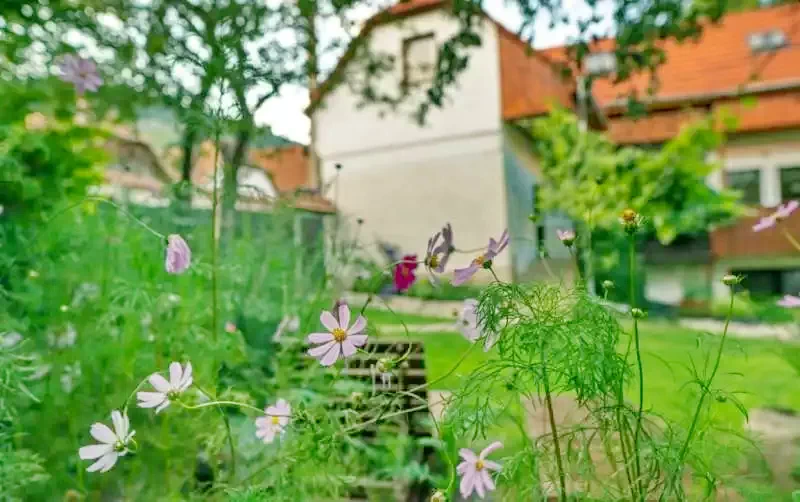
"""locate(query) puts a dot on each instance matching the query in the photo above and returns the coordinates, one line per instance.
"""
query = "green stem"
(223, 403)
(706, 391)
(791, 239)
(554, 431)
(637, 434)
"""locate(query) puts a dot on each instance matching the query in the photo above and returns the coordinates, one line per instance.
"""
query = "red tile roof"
(720, 61)
(286, 165)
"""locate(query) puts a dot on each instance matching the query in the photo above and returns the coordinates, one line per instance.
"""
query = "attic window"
(767, 41)
(419, 59)
(600, 63)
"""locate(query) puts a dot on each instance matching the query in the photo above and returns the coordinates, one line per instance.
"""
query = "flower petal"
(489, 449)
(103, 433)
(187, 379)
(357, 326)
(462, 275)
(468, 455)
(332, 355)
(159, 382)
(478, 483)
(320, 337)
(120, 428)
(357, 340)
(162, 406)
(150, 399)
(344, 316)
(94, 451)
(487, 480)
(467, 482)
(488, 464)
(321, 349)
(348, 349)
(105, 463)
(327, 320)
(175, 374)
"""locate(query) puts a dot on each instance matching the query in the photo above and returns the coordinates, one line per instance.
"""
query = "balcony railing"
(739, 241)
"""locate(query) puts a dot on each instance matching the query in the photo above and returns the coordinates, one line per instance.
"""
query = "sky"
(285, 113)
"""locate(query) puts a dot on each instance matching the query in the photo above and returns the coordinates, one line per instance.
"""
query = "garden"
(234, 345)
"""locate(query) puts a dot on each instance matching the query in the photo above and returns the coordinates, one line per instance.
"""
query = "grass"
(755, 371)
(382, 317)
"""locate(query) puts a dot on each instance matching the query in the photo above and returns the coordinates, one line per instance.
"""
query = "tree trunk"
(229, 189)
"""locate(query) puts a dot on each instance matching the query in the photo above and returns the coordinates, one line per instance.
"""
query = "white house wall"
(405, 180)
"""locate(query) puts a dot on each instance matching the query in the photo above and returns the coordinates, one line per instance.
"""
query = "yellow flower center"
(276, 420)
(479, 260)
(339, 335)
(433, 261)
(479, 465)
(628, 215)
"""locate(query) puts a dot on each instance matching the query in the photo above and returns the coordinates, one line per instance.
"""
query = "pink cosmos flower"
(566, 236)
(80, 72)
(179, 256)
(274, 421)
(340, 339)
(764, 223)
(789, 302)
(404, 276)
(438, 254)
(474, 471)
(494, 248)
(785, 210)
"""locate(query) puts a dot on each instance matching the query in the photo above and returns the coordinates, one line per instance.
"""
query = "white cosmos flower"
(180, 379)
(274, 421)
(113, 443)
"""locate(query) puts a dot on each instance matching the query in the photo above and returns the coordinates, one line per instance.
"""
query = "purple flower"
(789, 302)
(439, 253)
(461, 275)
(469, 326)
(340, 338)
(474, 471)
(785, 210)
(80, 72)
(566, 236)
(179, 256)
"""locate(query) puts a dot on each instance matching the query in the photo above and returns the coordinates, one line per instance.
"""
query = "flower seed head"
(608, 285)
(637, 313)
(629, 215)
(439, 496)
(732, 280)
(385, 365)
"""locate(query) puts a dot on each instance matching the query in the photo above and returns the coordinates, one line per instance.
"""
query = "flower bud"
(439, 496)
(487, 264)
(356, 397)
(385, 365)
(608, 285)
(631, 221)
(731, 280)
(637, 313)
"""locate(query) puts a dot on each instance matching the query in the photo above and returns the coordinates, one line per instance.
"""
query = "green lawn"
(380, 317)
(754, 369)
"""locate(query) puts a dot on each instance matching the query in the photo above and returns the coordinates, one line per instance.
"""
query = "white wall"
(406, 181)
(767, 152)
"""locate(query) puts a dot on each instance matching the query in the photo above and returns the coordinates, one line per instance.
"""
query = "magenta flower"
(80, 72)
(340, 339)
(474, 471)
(567, 237)
(404, 276)
(785, 210)
(438, 254)
(494, 248)
(789, 302)
(179, 256)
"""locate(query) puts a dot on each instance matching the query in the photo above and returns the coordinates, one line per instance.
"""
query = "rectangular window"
(790, 183)
(419, 59)
(748, 182)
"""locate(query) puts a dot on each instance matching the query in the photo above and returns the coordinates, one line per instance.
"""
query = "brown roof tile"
(287, 166)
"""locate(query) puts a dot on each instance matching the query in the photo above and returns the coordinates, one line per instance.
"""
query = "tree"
(593, 181)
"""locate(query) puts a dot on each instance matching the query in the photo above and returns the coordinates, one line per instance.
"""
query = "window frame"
(407, 67)
(733, 172)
